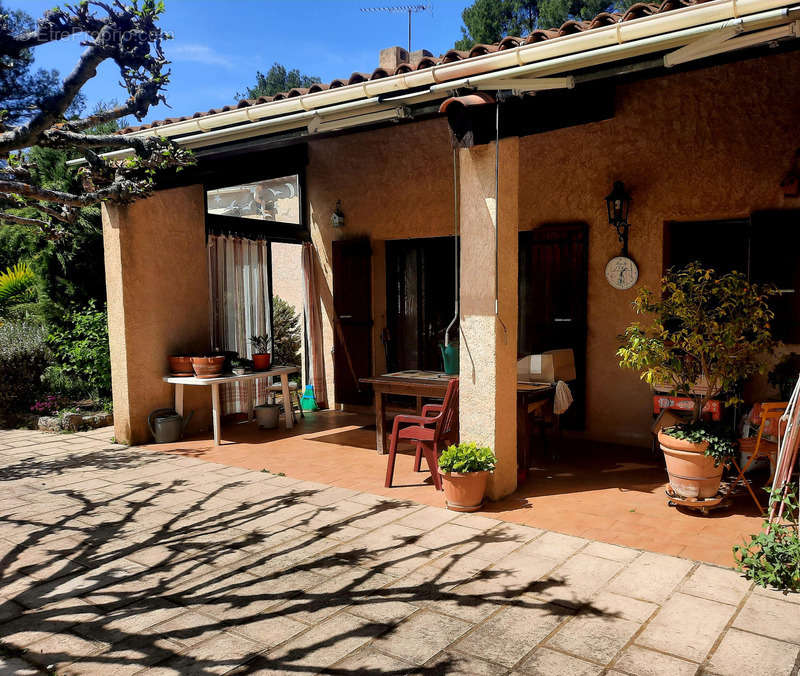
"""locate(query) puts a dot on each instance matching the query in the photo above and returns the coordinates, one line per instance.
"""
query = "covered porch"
(382, 201)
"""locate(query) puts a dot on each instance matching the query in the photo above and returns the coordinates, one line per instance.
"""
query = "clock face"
(621, 272)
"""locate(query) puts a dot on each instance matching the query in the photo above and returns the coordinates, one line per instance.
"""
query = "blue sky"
(219, 44)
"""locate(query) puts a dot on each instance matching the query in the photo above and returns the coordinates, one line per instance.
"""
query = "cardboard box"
(547, 367)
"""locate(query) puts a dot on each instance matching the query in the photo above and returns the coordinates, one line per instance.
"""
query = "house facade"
(702, 145)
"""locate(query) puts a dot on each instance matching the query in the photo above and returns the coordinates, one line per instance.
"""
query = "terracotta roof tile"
(571, 27)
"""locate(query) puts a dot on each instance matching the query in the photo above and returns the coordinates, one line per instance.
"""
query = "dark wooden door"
(352, 331)
(420, 302)
(553, 274)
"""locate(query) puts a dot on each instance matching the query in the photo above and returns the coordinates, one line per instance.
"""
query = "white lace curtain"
(240, 307)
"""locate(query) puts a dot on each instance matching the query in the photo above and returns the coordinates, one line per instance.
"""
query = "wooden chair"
(429, 433)
(760, 446)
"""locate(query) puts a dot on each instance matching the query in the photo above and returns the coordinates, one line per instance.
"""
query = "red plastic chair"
(428, 432)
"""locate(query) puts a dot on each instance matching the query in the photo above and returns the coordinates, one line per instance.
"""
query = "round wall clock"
(621, 272)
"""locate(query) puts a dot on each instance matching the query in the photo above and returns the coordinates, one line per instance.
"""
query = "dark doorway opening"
(553, 275)
(420, 301)
(352, 330)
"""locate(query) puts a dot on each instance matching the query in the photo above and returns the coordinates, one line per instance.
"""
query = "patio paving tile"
(744, 653)
(651, 577)
(513, 632)
(458, 664)
(545, 662)
(575, 581)
(771, 617)
(639, 661)
(421, 636)
(716, 584)
(322, 645)
(372, 661)
(686, 626)
(597, 638)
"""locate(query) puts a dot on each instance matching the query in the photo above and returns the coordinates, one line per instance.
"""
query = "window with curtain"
(239, 277)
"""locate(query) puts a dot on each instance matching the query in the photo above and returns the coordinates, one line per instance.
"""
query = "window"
(765, 247)
(274, 199)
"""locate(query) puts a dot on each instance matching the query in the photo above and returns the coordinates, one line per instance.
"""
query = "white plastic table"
(279, 371)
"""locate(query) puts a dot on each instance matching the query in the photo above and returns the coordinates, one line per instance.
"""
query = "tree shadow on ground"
(204, 573)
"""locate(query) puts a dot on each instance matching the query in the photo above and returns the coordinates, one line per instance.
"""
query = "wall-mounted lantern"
(618, 202)
(337, 218)
(621, 272)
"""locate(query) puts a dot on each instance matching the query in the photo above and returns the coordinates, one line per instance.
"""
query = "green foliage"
(467, 457)
(22, 88)
(82, 354)
(277, 79)
(17, 287)
(488, 21)
(721, 444)
(704, 328)
(286, 329)
(261, 344)
(771, 558)
(23, 359)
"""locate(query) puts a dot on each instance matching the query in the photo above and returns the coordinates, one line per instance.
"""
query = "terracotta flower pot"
(208, 367)
(464, 492)
(180, 366)
(261, 361)
(692, 474)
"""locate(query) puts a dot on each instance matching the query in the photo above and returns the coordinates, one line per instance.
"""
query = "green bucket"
(450, 358)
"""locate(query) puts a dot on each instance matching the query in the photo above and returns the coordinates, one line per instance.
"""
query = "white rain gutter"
(637, 30)
(527, 62)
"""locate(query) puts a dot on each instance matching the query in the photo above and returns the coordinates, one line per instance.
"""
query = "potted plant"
(240, 365)
(465, 470)
(707, 332)
(180, 364)
(261, 351)
(209, 365)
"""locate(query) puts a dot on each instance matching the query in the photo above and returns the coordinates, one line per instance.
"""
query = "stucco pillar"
(488, 388)
(158, 303)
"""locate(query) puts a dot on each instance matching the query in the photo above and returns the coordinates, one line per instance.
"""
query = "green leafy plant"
(24, 355)
(241, 363)
(771, 558)
(705, 329)
(82, 353)
(467, 457)
(261, 344)
(17, 287)
(721, 444)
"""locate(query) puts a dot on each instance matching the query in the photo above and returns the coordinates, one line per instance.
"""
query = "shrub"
(23, 359)
(286, 329)
(81, 350)
(772, 557)
(467, 457)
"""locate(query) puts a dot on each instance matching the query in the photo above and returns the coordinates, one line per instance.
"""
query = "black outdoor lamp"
(618, 202)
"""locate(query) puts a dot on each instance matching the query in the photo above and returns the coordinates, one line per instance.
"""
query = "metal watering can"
(166, 425)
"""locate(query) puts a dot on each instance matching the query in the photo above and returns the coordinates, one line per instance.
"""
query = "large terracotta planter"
(261, 361)
(208, 367)
(464, 492)
(692, 474)
(180, 366)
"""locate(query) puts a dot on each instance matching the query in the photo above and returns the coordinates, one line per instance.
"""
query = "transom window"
(274, 199)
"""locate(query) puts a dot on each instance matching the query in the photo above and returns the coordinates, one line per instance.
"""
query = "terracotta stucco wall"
(157, 281)
(394, 183)
(704, 145)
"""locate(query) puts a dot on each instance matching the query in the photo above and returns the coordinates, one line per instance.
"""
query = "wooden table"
(280, 371)
(417, 384)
